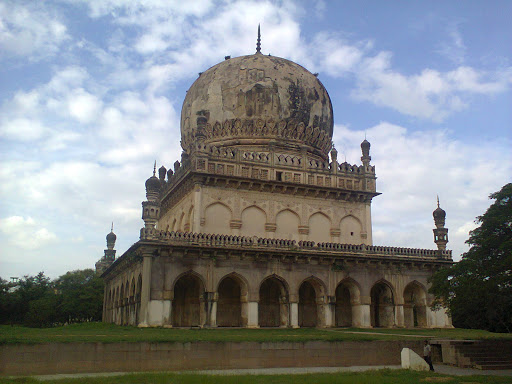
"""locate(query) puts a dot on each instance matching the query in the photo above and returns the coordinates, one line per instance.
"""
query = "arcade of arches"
(276, 304)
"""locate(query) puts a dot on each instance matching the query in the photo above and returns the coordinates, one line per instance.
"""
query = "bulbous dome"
(111, 237)
(255, 100)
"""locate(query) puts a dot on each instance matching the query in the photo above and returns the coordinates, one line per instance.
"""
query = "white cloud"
(431, 94)
(22, 129)
(83, 106)
(413, 167)
(453, 48)
(29, 30)
(26, 233)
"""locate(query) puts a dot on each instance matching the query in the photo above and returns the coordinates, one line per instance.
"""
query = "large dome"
(256, 100)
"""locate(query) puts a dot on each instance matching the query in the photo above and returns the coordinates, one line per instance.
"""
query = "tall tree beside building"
(478, 289)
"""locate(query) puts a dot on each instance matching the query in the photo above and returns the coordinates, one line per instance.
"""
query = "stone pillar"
(294, 315)
(270, 230)
(361, 313)
(252, 314)
(399, 316)
(330, 311)
(211, 309)
(198, 202)
(368, 227)
(146, 290)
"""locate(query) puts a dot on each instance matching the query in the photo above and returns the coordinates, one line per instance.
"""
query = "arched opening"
(229, 305)
(186, 305)
(273, 304)
(347, 311)
(308, 314)
(343, 311)
(320, 228)
(138, 291)
(382, 308)
(415, 308)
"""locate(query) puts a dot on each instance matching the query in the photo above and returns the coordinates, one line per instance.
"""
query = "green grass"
(109, 333)
(369, 377)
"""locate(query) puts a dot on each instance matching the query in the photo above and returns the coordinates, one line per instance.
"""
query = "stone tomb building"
(257, 227)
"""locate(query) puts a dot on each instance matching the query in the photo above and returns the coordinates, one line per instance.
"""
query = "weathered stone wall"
(133, 357)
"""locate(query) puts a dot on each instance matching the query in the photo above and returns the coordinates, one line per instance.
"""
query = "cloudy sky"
(91, 93)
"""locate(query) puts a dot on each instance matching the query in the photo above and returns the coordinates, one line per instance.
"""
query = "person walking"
(427, 354)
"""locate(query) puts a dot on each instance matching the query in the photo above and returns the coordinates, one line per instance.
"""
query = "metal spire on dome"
(154, 169)
(258, 42)
(438, 201)
(112, 228)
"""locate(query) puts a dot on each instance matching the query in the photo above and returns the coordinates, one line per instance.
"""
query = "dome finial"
(154, 169)
(258, 42)
(112, 227)
(437, 201)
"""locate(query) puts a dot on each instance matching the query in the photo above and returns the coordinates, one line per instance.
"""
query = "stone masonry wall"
(55, 358)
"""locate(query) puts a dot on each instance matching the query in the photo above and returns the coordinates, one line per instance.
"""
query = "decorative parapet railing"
(259, 242)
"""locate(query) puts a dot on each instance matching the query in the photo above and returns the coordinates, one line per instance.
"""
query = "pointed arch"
(232, 301)
(287, 225)
(188, 289)
(273, 306)
(415, 305)
(348, 297)
(311, 299)
(351, 228)
(382, 308)
(132, 288)
(253, 221)
(319, 227)
(217, 219)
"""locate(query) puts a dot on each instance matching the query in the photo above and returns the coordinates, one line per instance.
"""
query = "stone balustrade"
(258, 242)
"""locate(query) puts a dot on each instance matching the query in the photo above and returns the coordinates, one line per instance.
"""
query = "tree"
(478, 289)
(37, 301)
(81, 294)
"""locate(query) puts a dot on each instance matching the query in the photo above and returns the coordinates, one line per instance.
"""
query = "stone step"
(486, 367)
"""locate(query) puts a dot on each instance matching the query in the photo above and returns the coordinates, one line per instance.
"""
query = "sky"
(91, 94)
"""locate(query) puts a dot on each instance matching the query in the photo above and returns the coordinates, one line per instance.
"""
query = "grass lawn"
(370, 377)
(109, 333)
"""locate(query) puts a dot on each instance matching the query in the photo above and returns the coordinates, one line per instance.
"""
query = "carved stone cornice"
(233, 131)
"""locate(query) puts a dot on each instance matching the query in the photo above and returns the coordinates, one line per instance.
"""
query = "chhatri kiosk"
(259, 225)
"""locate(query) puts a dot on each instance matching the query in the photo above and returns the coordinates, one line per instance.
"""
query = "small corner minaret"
(440, 232)
(365, 148)
(110, 253)
(151, 207)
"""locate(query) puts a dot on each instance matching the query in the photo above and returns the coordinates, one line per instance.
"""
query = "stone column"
(368, 222)
(198, 202)
(146, 289)
(252, 314)
(361, 313)
(399, 315)
(330, 311)
(294, 315)
(211, 308)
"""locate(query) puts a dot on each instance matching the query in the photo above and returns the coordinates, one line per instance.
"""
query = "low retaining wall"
(131, 357)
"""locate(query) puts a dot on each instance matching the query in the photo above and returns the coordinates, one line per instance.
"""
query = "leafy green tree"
(478, 289)
(36, 301)
(81, 294)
